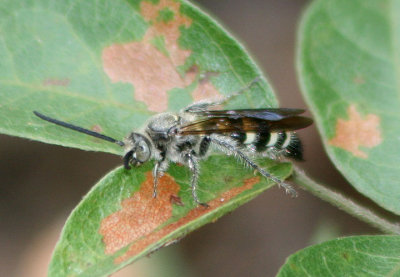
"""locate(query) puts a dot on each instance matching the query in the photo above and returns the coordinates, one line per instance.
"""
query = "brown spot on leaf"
(205, 90)
(359, 80)
(356, 132)
(56, 82)
(170, 30)
(96, 128)
(153, 237)
(251, 181)
(149, 70)
(228, 179)
(293, 266)
(140, 215)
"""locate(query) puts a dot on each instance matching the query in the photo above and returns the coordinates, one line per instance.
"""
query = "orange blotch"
(151, 72)
(140, 215)
(205, 89)
(139, 246)
(56, 82)
(251, 181)
(356, 132)
(142, 65)
(170, 29)
(96, 128)
(359, 80)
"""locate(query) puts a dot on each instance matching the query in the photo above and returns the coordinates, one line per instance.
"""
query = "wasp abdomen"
(286, 143)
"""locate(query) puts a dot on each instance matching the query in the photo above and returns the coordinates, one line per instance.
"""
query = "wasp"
(187, 137)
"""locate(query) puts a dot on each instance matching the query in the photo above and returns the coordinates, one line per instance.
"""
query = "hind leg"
(226, 146)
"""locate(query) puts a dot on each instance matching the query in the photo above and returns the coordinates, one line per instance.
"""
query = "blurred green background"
(40, 184)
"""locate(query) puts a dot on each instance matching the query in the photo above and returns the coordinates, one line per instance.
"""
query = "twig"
(357, 210)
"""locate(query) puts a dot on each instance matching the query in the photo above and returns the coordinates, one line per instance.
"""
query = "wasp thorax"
(138, 150)
(163, 122)
(160, 126)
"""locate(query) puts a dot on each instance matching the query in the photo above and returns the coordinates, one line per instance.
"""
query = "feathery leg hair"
(194, 168)
(234, 150)
(79, 129)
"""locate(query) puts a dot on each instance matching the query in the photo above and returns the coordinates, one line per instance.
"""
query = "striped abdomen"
(286, 142)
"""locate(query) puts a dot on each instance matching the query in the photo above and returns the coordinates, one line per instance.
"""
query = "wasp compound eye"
(142, 151)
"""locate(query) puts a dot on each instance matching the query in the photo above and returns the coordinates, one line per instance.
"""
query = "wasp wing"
(220, 125)
(272, 114)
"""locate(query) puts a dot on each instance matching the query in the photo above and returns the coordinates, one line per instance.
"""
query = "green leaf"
(348, 66)
(119, 221)
(352, 256)
(108, 66)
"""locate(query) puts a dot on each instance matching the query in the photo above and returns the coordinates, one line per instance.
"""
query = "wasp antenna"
(79, 129)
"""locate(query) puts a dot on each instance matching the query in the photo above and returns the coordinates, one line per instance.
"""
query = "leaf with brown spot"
(109, 66)
(154, 71)
(123, 222)
(348, 68)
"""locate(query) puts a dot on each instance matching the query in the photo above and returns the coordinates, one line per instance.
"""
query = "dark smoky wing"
(273, 114)
(290, 123)
(218, 125)
(223, 125)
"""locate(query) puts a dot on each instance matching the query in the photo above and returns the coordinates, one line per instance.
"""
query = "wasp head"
(138, 150)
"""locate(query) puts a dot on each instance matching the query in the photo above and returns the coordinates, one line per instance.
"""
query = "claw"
(289, 190)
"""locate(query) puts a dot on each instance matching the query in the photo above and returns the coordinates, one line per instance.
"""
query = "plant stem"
(345, 204)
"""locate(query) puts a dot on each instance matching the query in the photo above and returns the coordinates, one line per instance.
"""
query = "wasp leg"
(232, 149)
(127, 159)
(158, 171)
(204, 146)
(203, 105)
(194, 168)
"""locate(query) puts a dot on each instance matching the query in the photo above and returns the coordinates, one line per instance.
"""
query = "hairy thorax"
(162, 131)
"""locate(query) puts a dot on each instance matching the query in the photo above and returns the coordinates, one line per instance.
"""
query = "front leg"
(158, 171)
(194, 168)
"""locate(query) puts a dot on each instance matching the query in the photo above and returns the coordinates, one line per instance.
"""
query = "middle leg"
(158, 171)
